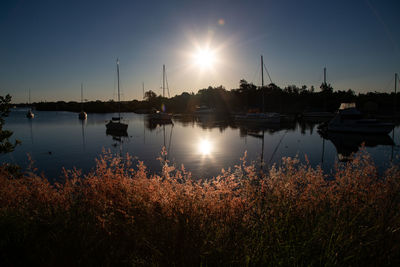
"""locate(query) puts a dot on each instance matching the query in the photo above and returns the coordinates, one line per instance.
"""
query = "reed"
(121, 214)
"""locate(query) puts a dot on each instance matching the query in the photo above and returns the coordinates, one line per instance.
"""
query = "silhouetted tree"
(245, 86)
(150, 95)
(326, 88)
(5, 145)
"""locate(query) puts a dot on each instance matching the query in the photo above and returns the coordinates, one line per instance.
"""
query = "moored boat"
(349, 119)
(82, 114)
(316, 114)
(260, 117)
(30, 114)
(265, 117)
(162, 116)
(204, 110)
(115, 124)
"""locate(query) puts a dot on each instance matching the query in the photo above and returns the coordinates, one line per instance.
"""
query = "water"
(59, 139)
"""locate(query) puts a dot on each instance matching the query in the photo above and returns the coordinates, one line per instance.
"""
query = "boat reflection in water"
(118, 137)
(83, 124)
(347, 144)
(152, 124)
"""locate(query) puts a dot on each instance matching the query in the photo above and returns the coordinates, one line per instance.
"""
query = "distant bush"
(123, 215)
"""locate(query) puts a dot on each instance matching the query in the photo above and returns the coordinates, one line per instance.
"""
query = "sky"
(52, 47)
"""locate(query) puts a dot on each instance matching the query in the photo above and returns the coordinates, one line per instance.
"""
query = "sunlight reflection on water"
(205, 147)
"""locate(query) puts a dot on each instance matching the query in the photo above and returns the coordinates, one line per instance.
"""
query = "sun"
(205, 58)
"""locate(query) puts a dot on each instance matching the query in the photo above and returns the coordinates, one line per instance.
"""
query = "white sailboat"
(82, 114)
(115, 125)
(30, 113)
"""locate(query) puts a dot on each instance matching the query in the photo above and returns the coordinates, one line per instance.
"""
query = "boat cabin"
(348, 111)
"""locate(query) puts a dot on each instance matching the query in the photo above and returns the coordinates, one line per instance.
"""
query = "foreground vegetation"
(120, 214)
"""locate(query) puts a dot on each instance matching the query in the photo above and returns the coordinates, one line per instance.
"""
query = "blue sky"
(51, 47)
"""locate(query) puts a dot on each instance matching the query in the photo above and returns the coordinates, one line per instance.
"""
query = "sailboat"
(162, 116)
(260, 117)
(115, 125)
(30, 114)
(315, 114)
(82, 114)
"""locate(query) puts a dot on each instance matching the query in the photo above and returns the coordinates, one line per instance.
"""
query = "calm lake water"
(59, 139)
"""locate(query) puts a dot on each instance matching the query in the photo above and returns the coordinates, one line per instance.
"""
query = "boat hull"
(378, 128)
(113, 126)
(349, 120)
(30, 114)
(317, 115)
(82, 115)
(263, 118)
(162, 117)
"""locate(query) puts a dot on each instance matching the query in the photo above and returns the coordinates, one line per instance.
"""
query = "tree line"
(248, 97)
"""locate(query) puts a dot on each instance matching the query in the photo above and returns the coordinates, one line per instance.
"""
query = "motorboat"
(350, 120)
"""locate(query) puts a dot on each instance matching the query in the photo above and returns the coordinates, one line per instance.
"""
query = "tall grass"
(121, 214)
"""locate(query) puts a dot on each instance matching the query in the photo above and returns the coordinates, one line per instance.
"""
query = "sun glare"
(205, 58)
(205, 147)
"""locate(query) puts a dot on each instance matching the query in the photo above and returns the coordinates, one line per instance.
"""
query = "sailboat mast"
(395, 95)
(29, 96)
(163, 82)
(81, 96)
(119, 103)
(263, 109)
(325, 87)
(262, 72)
(262, 82)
